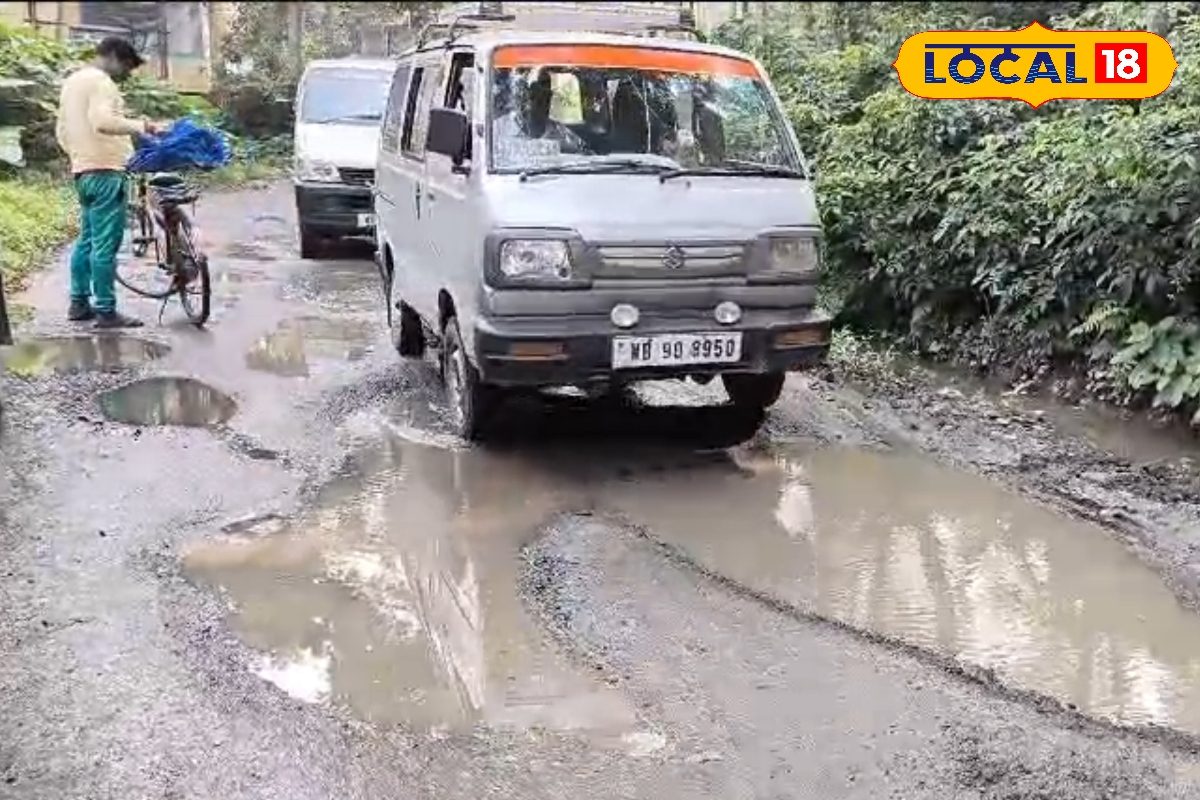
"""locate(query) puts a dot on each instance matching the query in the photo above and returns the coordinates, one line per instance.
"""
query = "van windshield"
(673, 109)
(345, 95)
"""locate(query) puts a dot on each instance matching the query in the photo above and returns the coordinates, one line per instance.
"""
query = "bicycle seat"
(164, 180)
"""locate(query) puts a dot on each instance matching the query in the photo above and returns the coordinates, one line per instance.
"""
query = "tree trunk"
(295, 13)
(5, 328)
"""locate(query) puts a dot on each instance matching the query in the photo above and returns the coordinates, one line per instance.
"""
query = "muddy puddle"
(168, 401)
(396, 595)
(1130, 436)
(47, 355)
(289, 350)
(895, 544)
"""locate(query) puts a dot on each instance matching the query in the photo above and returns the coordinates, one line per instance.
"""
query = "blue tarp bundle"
(185, 145)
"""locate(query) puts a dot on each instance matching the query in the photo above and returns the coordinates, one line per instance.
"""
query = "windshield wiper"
(371, 116)
(595, 166)
(735, 168)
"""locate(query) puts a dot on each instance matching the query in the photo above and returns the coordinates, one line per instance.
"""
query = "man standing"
(95, 134)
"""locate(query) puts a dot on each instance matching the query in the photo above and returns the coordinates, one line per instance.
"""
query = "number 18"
(1121, 63)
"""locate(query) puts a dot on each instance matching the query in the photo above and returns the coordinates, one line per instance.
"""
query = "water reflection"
(940, 559)
(168, 401)
(405, 574)
(286, 351)
(34, 357)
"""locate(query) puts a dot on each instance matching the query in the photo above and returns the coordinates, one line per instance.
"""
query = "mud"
(61, 354)
(1129, 435)
(168, 401)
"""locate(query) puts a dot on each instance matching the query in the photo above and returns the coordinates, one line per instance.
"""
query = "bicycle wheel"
(193, 279)
(144, 270)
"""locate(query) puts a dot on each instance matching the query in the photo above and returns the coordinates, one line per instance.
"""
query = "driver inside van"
(526, 128)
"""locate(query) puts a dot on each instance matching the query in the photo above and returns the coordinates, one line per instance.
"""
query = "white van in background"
(339, 105)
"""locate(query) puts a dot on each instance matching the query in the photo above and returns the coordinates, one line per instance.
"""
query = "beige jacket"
(92, 127)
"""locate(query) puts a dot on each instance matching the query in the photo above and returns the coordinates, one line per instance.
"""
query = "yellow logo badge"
(1035, 64)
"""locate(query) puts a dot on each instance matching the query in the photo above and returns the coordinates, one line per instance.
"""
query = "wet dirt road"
(250, 562)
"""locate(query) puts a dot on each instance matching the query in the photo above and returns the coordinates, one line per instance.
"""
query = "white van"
(339, 105)
(588, 209)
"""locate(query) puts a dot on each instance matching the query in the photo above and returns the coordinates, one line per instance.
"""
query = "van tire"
(310, 242)
(472, 402)
(753, 391)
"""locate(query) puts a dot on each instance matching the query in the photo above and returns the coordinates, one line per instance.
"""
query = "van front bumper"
(333, 208)
(503, 346)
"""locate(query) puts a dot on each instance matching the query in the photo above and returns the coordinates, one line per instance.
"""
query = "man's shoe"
(113, 319)
(81, 311)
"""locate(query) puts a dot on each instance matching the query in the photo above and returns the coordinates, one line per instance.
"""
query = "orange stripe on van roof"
(604, 55)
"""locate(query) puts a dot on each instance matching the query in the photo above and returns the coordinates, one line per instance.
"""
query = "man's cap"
(120, 49)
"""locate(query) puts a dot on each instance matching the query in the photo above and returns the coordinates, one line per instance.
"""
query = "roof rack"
(637, 19)
(485, 12)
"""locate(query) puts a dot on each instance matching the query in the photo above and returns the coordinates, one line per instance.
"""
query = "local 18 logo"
(1036, 65)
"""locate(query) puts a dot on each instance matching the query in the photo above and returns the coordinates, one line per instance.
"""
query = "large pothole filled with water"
(168, 401)
(895, 544)
(396, 595)
(399, 592)
(61, 354)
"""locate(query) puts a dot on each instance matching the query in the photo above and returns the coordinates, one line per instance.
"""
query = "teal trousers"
(101, 229)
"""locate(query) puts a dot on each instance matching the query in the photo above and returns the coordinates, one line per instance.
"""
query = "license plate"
(673, 349)
(366, 220)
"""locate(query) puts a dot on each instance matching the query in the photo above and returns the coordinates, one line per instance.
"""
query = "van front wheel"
(753, 391)
(471, 401)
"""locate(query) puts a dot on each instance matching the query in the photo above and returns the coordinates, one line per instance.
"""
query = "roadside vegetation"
(1044, 243)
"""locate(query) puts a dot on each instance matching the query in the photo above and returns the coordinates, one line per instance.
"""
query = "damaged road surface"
(250, 562)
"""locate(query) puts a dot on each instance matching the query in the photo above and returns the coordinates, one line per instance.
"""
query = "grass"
(37, 215)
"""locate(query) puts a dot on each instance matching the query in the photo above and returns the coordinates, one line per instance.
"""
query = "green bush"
(995, 234)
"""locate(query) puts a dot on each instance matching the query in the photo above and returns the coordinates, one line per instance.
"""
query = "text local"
(1041, 68)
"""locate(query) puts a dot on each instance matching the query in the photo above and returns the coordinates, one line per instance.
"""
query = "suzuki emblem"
(674, 258)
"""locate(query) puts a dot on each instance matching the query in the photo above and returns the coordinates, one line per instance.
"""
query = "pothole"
(895, 544)
(168, 401)
(62, 354)
(396, 596)
(287, 351)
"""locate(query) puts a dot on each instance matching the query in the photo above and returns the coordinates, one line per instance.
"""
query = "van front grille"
(682, 258)
(357, 177)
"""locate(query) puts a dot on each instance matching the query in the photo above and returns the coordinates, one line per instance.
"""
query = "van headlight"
(535, 259)
(311, 169)
(795, 255)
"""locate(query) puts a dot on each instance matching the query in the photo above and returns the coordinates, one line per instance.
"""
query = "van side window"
(389, 138)
(420, 121)
(410, 107)
(460, 87)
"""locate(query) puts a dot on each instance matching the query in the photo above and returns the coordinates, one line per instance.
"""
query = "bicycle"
(159, 226)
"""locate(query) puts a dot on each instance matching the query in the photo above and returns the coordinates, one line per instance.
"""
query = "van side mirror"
(449, 134)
